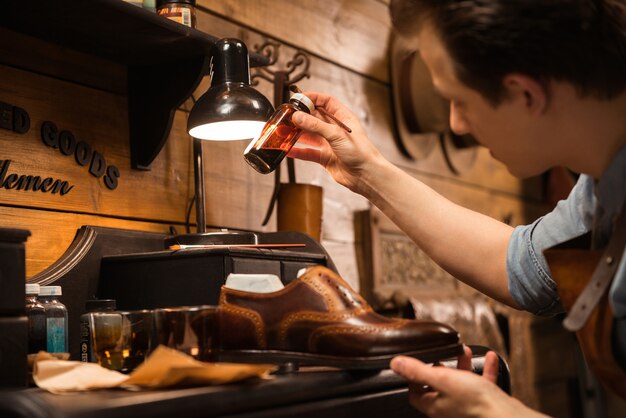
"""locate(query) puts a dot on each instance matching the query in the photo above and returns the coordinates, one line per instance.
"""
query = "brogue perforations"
(254, 317)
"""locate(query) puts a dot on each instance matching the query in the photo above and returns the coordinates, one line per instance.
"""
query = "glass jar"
(279, 135)
(104, 308)
(181, 11)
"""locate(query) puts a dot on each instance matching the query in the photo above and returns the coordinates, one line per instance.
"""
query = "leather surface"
(320, 313)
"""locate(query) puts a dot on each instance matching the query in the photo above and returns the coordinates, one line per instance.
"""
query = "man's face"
(508, 130)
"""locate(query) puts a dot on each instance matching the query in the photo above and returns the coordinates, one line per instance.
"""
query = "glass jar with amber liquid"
(279, 135)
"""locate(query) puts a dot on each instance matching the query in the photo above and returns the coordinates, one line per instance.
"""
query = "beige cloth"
(164, 368)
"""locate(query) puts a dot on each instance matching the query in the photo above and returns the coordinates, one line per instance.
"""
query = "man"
(541, 84)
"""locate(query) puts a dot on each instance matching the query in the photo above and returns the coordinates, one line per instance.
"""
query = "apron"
(576, 270)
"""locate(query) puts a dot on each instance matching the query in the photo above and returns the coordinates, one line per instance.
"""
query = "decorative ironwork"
(271, 50)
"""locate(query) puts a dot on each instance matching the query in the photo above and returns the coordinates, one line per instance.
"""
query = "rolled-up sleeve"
(530, 281)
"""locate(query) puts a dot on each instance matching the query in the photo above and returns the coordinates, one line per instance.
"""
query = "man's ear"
(534, 93)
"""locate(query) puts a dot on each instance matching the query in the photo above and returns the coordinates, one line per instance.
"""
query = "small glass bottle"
(36, 314)
(94, 307)
(279, 135)
(56, 319)
(181, 11)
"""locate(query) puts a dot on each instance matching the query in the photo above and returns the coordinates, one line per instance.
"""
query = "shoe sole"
(429, 355)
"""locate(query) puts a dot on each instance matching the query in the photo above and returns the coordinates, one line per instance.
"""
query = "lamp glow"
(230, 109)
(228, 130)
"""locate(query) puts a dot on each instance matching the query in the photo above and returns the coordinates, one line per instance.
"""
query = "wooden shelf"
(165, 60)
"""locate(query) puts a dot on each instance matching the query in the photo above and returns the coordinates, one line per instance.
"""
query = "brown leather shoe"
(319, 320)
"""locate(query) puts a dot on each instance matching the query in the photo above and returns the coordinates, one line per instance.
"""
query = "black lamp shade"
(231, 109)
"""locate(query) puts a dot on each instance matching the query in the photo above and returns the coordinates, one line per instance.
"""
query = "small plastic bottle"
(102, 307)
(56, 319)
(278, 136)
(36, 314)
(149, 4)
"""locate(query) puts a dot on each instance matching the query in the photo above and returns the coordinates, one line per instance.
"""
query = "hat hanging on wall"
(421, 115)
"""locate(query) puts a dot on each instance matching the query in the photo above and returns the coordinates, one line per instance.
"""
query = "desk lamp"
(230, 110)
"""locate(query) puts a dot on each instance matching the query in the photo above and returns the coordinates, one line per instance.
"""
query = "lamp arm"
(199, 183)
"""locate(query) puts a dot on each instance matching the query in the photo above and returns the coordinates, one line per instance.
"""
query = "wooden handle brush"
(323, 111)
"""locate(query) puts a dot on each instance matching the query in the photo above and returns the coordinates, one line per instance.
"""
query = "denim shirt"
(591, 206)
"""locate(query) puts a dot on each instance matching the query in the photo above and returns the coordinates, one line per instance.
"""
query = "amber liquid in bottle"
(278, 136)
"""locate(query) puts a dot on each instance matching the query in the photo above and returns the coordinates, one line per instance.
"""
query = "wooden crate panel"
(53, 232)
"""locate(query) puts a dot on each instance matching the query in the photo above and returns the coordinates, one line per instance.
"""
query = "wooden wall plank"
(28, 53)
(353, 34)
(500, 206)
(370, 101)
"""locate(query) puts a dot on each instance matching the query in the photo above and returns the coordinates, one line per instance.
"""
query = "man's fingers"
(410, 368)
(329, 103)
(490, 370)
(307, 154)
(308, 138)
(423, 401)
(417, 371)
(312, 124)
(464, 361)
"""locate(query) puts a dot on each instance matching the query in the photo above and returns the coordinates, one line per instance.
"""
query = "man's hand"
(444, 392)
(346, 156)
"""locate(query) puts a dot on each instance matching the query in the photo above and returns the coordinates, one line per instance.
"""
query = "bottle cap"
(32, 289)
(50, 291)
(304, 100)
(95, 305)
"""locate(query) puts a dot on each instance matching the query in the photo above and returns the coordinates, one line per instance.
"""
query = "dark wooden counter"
(303, 394)
(311, 393)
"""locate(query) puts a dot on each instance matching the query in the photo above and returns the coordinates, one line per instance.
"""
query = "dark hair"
(582, 42)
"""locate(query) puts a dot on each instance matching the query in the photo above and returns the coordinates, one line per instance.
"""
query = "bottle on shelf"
(36, 314)
(279, 135)
(56, 319)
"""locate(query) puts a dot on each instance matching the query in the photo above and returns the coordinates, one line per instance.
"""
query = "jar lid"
(160, 3)
(32, 288)
(94, 305)
(50, 291)
(304, 100)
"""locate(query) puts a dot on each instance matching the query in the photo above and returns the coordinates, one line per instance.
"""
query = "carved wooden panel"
(404, 264)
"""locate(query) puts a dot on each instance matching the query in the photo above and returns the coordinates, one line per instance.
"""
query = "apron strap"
(601, 278)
